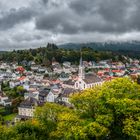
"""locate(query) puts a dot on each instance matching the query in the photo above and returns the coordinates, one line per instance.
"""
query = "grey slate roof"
(69, 82)
(91, 78)
(68, 91)
(29, 102)
(23, 117)
(44, 93)
(58, 66)
(7, 101)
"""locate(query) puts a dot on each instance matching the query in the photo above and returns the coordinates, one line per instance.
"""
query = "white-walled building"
(86, 80)
(26, 109)
(53, 94)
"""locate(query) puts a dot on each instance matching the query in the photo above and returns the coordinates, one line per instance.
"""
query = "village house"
(4, 66)
(49, 71)
(20, 69)
(54, 93)
(67, 64)
(23, 79)
(63, 98)
(29, 74)
(26, 109)
(34, 68)
(31, 94)
(14, 83)
(74, 68)
(67, 69)
(57, 68)
(4, 100)
(41, 69)
(43, 95)
(26, 86)
(38, 77)
(64, 76)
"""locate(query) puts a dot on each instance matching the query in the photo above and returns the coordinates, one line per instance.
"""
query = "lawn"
(2, 110)
(9, 117)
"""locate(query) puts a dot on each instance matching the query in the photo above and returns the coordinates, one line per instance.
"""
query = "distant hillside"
(126, 48)
(71, 52)
(45, 55)
(112, 46)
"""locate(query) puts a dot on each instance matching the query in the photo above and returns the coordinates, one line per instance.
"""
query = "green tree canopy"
(107, 112)
(110, 112)
(114, 108)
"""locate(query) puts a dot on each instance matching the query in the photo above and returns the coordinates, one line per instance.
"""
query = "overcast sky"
(33, 23)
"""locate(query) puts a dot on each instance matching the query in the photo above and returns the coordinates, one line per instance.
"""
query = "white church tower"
(81, 73)
(85, 81)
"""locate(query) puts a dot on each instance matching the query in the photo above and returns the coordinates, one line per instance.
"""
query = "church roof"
(69, 82)
(91, 78)
(68, 91)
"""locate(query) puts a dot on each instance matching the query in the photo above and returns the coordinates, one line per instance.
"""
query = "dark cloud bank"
(37, 22)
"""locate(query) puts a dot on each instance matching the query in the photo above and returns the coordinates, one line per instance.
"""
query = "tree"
(59, 122)
(48, 115)
(110, 111)
(20, 89)
(107, 112)
(114, 108)
(138, 79)
(28, 130)
(52, 47)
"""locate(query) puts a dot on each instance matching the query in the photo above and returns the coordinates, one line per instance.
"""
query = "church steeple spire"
(81, 68)
(81, 60)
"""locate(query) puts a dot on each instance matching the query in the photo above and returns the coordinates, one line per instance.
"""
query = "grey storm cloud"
(40, 21)
(116, 16)
(61, 21)
(83, 6)
(13, 17)
(45, 1)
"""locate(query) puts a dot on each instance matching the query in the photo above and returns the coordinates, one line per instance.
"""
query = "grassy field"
(9, 117)
(2, 110)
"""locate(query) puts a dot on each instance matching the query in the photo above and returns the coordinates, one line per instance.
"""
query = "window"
(84, 86)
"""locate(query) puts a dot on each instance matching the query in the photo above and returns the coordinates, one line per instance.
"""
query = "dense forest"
(109, 112)
(45, 55)
(125, 48)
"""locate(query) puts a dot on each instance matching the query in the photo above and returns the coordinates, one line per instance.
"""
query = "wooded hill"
(45, 55)
(125, 48)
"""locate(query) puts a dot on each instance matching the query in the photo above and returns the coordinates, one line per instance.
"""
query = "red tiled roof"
(109, 78)
(22, 78)
(20, 68)
(107, 69)
(100, 73)
(56, 81)
(116, 70)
